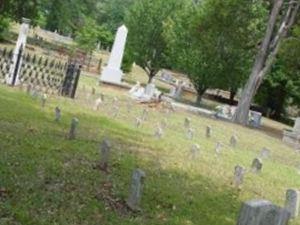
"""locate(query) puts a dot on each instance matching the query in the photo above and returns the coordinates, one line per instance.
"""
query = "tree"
(145, 21)
(281, 87)
(266, 55)
(213, 42)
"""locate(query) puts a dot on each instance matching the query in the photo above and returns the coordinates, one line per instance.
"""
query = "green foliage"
(4, 27)
(90, 34)
(213, 42)
(146, 43)
(281, 86)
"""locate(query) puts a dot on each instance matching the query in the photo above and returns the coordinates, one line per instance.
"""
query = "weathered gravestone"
(136, 189)
(239, 173)
(233, 141)
(28, 88)
(57, 114)
(93, 91)
(218, 149)
(159, 133)
(145, 114)
(116, 110)
(208, 131)
(105, 152)
(72, 132)
(292, 202)
(265, 153)
(256, 165)
(190, 133)
(138, 122)
(262, 212)
(164, 123)
(195, 151)
(97, 104)
(43, 100)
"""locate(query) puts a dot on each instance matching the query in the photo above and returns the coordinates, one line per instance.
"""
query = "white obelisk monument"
(12, 77)
(112, 73)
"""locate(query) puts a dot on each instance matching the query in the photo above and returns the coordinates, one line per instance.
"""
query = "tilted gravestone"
(233, 141)
(164, 123)
(57, 114)
(28, 88)
(262, 212)
(93, 91)
(208, 131)
(72, 132)
(292, 202)
(105, 152)
(136, 190)
(116, 110)
(256, 165)
(239, 173)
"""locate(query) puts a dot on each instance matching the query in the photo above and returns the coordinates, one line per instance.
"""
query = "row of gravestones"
(255, 212)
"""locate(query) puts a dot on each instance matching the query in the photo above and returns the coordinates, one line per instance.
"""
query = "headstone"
(208, 131)
(138, 122)
(105, 152)
(113, 73)
(292, 202)
(150, 89)
(44, 99)
(233, 141)
(239, 173)
(195, 151)
(72, 132)
(57, 114)
(190, 133)
(187, 122)
(159, 133)
(218, 149)
(93, 91)
(145, 114)
(256, 165)
(136, 190)
(12, 77)
(262, 212)
(129, 106)
(98, 103)
(265, 153)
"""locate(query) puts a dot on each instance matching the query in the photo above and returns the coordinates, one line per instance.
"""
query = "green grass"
(51, 180)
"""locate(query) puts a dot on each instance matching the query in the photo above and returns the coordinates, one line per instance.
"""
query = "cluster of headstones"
(263, 212)
(5, 61)
(42, 71)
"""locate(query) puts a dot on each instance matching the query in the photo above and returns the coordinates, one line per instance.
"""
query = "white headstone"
(113, 73)
(296, 128)
(21, 43)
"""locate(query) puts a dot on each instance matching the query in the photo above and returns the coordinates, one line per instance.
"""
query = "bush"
(4, 27)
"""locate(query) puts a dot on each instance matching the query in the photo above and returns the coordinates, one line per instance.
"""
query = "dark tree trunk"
(200, 93)
(151, 75)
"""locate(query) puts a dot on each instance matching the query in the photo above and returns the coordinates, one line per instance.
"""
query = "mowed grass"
(48, 179)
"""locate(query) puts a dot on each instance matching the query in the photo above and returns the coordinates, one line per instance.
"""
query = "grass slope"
(51, 180)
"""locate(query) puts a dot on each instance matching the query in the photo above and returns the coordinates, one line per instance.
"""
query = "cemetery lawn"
(46, 179)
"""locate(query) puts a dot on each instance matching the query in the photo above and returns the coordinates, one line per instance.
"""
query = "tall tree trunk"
(200, 93)
(151, 75)
(265, 57)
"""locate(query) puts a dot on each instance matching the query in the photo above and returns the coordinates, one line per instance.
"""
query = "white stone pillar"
(21, 43)
(112, 73)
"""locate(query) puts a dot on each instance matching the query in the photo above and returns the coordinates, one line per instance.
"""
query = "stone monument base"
(111, 75)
